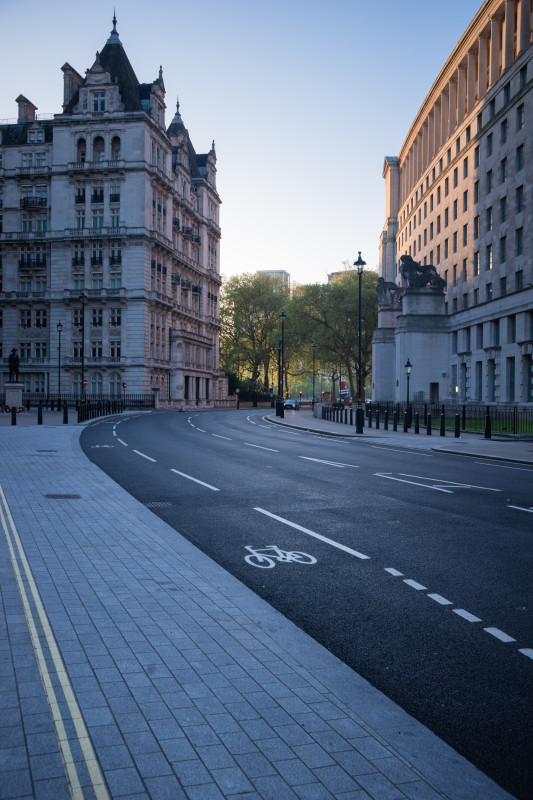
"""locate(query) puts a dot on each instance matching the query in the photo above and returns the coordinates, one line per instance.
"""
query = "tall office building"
(460, 196)
(110, 226)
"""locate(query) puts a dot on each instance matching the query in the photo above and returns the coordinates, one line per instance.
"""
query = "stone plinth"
(13, 394)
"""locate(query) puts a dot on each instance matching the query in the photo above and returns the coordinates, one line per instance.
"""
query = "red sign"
(124, 385)
(85, 382)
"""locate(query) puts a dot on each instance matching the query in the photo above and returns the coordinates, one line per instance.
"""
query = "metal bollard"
(395, 421)
(377, 419)
(428, 430)
(442, 425)
(369, 417)
(345, 416)
(65, 414)
(406, 421)
(359, 420)
(488, 426)
(457, 426)
(13, 415)
(40, 415)
(386, 420)
(417, 422)
(351, 416)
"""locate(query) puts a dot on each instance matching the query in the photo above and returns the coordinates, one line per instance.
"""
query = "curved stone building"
(460, 196)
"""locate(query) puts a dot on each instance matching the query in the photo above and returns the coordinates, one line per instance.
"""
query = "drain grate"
(158, 504)
(46, 451)
(62, 496)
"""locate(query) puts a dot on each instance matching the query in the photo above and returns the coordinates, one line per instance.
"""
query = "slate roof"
(17, 134)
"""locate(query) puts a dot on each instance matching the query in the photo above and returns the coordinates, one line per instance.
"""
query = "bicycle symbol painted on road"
(266, 557)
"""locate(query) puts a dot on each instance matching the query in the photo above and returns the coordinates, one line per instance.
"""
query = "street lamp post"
(408, 368)
(359, 416)
(59, 329)
(314, 348)
(282, 317)
(82, 298)
(278, 407)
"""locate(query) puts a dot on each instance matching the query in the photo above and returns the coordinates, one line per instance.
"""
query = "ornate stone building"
(460, 196)
(110, 226)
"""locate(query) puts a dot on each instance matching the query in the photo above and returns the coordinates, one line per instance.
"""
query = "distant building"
(283, 276)
(335, 277)
(109, 224)
(460, 196)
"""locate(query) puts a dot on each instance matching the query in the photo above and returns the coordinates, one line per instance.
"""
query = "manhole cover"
(62, 496)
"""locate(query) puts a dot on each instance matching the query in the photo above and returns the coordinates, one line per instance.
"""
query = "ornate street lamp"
(281, 393)
(59, 329)
(359, 415)
(408, 368)
(314, 348)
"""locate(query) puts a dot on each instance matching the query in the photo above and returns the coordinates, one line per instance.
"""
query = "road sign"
(124, 385)
(85, 382)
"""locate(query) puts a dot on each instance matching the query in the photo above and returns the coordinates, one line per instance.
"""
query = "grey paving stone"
(165, 787)
(354, 763)
(123, 781)
(294, 772)
(12, 736)
(142, 742)
(293, 734)
(206, 791)
(327, 710)
(231, 780)
(313, 756)
(15, 783)
(331, 740)
(49, 765)
(273, 787)
(347, 728)
(216, 756)
(152, 765)
(255, 765)
(114, 757)
(276, 749)
(419, 790)
(222, 723)
(191, 772)
(177, 749)
(257, 729)
(189, 716)
(51, 789)
(395, 770)
(336, 779)
(370, 748)
(379, 787)
(41, 743)
(10, 717)
(105, 735)
(313, 791)
(238, 742)
(131, 722)
(201, 735)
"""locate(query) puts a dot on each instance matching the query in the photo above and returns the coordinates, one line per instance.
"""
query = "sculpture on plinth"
(417, 275)
(389, 294)
(13, 362)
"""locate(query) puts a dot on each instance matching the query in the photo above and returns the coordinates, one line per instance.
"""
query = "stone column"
(461, 93)
(471, 80)
(495, 25)
(452, 106)
(483, 62)
(444, 110)
(431, 135)
(508, 40)
(424, 146)
(437, 116)
(524, 24)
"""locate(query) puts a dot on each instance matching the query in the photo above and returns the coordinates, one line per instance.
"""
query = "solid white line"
(143, 455)
(440, 599)
(330, 463)
(502, 466)
(503, 637)
(221, 437)
(184, 475)
(449, 483)
(394, 572)
(121, 442)
(466, 615)
(411, 483)
(312, 533)
(260, 447)
(394, 450)
(414, 584)
(518, 508)
(527, 652)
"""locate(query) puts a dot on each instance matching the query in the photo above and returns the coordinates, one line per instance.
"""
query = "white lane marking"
(503, 637)
(114, 432)
(189, 477)
(393, 450)
(449, 483)
(200, 429)
(519, 508)
(413, 483)
(466, 615)
(218, 436)
(312, 533)
(260, 447)
(414, 584)
(394, 572)
(502, 466)
(121, 442)
(527, 651)
(265, 426)
(330, 463)
(440, 599)
(292, 433)
(143, 455)
(251, 420)
(96, 446)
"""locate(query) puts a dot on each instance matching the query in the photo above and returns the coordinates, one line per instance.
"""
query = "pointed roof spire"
(113, 39)
(160, 72)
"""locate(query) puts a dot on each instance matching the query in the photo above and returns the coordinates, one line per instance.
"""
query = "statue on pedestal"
(13, 362)
(389, 294)
(417, 275)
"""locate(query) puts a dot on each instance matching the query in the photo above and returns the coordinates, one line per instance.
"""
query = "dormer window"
(35, 136)
(98, 101)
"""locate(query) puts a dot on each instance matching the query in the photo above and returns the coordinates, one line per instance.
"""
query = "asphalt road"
(422, 579)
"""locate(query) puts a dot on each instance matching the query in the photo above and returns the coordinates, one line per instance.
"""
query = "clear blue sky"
(303, 98)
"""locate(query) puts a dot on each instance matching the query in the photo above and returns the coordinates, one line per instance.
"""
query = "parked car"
(291, 405)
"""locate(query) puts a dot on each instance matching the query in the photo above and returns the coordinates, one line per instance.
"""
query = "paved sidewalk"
(133, 666)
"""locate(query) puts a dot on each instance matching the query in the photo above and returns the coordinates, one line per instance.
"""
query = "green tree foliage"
(328, 315)
(249, 311)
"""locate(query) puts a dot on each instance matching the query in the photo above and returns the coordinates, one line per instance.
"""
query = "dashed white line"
(412, 483)
(527, 651)
(312, 533)
(502, 466)
(261, 448)
(121, 442)
(394, 450)
(394, 572)
(466, 615)
(114, 432)
(414, 584)
(503, 637)
(440, 599)
(200, 429)
(218, 436)
(143, 455)
(190, 478)
(519, 508)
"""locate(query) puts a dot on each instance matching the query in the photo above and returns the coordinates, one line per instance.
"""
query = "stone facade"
(460, 196)
(110, 225)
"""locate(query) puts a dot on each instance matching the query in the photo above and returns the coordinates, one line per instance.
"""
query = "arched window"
(82, 150)
(115, 148)
(98, 149)
(115, 386)
(96, 384)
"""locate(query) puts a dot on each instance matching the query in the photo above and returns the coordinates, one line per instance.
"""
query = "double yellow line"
(18, 556)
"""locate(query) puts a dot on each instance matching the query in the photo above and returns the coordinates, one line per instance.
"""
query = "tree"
(328, 314)
(249, 311)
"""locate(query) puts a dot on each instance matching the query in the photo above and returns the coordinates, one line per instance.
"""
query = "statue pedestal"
(13, 394)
